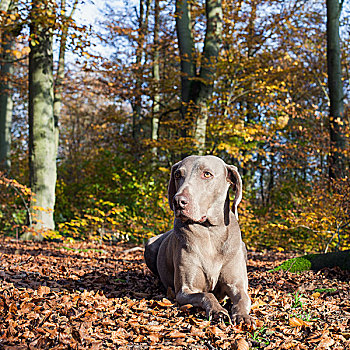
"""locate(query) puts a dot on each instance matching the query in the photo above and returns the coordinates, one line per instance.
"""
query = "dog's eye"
(177, 175)
(207, 175)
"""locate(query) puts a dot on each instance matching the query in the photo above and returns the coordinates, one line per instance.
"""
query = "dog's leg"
(151, 251)
(240, 303)
(234, 282)
(206, 301)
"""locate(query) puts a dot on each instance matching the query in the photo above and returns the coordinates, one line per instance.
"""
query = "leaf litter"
(94, 296)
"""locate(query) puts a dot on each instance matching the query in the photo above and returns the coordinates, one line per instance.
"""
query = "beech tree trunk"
(137, 101)
(337, 158)
(156, 78)
(58, 86)
(196, 90)
(42, 126)
(6, 103)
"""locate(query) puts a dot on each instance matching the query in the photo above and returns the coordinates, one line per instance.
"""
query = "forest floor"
(91, 296)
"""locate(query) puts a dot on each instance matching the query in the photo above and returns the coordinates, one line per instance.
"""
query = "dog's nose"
(180, 202)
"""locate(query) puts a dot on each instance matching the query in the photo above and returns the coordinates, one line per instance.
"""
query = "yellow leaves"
(316, 295)
(280, 226)
(38, 208)
(282, 121)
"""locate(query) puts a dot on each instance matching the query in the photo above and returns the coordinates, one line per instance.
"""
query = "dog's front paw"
(244, 319)
(218, 314)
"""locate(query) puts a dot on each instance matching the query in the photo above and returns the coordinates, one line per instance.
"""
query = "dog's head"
(198, 189)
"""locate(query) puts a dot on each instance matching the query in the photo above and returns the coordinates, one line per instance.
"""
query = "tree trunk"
(212, 42)
(156, 78)
(137, 102)
(6, 103)
(186, 47)
(42, 127)
(337, 158)
(197, 90)
(58, 87)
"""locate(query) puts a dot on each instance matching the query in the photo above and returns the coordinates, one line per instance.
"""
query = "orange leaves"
(176, 334)
(92, 296)
(298, 322)
(197, 332)
(186, 307)
(241, 344)
(164, 303)
(257, 303)
(42, 290)
(215, 331)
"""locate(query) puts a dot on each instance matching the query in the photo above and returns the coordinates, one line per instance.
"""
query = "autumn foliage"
(268, 115)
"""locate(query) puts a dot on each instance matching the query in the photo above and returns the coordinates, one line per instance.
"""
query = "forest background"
(257, 96)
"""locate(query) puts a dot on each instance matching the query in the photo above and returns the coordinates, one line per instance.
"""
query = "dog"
(203, 258)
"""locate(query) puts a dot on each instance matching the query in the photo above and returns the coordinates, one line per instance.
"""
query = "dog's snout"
(181, 201)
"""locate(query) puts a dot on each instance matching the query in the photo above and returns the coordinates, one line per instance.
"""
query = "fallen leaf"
(139, 339)
(241, 344)
(153, 328)
(325, 343)
(165, 303)
(257, 303)
(197, 332)
(154, 337)
(176, 334)
(216, 331)
(316, 295)
(186, 307)
(298, 322)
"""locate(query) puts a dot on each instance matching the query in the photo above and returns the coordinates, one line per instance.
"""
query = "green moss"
(325, 290)
(301, 263)
(317, 262)
(85, 250)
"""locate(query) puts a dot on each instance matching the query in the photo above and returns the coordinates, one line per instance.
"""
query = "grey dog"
(203, 258)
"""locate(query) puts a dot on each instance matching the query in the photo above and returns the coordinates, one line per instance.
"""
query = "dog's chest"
(211, 263)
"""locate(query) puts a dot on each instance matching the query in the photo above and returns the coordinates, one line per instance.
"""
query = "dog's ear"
(235, 180)
(171, 186)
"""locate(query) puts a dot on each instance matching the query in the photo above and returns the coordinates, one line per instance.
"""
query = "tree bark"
(42, 127)
(58, 87)
(6, 103)
(186, 47)
(156, 79)
(137, 102)
(337, 158)
(197, 90)
(210, 55)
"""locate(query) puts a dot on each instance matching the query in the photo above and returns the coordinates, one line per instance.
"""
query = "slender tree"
(137, 102)
(337, 159)
(156, 78)
(58, 86)
(6, 103)
(42, 126)
(198, 89)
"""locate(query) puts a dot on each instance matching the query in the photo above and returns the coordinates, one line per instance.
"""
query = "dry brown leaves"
(101, 297)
